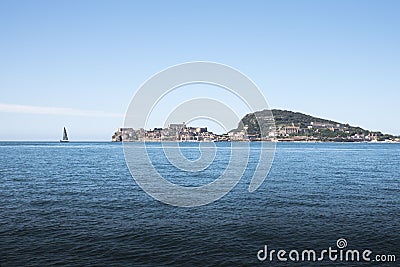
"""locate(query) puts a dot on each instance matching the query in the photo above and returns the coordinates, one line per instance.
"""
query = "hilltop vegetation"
(285, 117)
(299, 126)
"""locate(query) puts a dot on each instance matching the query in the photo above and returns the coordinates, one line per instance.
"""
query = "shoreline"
(169, 141)
(265, 141)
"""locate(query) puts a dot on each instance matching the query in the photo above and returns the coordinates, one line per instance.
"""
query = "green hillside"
(289, 124)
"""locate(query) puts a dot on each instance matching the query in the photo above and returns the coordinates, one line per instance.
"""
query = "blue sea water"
(76, 204)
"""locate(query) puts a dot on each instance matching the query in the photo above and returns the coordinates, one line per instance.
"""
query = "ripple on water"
(78, 205)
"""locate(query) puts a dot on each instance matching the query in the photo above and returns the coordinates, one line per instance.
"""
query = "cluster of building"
(313, 132)
(316, 131)
(174, 132)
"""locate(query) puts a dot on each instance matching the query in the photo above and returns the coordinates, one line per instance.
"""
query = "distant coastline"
(288, 126)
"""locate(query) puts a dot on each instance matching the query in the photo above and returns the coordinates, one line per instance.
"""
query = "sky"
(78, 63)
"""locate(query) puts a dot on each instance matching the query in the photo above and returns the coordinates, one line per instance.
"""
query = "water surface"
(76, 204)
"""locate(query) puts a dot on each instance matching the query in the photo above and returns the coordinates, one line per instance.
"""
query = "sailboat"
(65, 137)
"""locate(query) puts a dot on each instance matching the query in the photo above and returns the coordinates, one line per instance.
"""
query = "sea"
(77, 204)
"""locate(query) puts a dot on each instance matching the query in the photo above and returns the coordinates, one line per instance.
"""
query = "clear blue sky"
(78, 63)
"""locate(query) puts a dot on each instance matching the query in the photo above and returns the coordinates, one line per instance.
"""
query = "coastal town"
(174, 132)
(289, 127)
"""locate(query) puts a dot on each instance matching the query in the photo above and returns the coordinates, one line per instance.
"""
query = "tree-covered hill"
(285, 117)
(289, 124)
